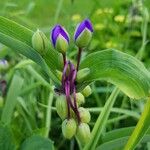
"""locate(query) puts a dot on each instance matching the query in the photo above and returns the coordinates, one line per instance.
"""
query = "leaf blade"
(118, 68)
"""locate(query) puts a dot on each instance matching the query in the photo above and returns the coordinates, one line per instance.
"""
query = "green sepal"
(40, 42)
(61, 107)
(61, 44)
(84, 115)
(83, 133)
(82, 74)
(84, 38)
(87, 91)
(80, 98)
(69, 128)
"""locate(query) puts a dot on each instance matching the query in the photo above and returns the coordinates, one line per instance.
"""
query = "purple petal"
(55, 33)
(84, 24)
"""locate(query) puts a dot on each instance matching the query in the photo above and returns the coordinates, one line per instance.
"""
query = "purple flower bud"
(83, 33)
(60, 38)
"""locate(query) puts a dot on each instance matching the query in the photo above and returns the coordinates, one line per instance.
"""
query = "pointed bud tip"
(40, 42)
(60, 38)
(83, 33)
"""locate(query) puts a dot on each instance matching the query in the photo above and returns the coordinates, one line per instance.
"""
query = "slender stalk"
(64, 58)
(140, 129)
(48, 114)
(101, 121)
(79, 58)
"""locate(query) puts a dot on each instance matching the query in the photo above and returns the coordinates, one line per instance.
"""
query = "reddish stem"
(79, 58)
(64, 58)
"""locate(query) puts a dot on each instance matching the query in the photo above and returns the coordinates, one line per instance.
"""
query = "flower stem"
(64, 58)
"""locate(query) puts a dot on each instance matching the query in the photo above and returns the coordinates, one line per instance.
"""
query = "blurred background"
(119, 24)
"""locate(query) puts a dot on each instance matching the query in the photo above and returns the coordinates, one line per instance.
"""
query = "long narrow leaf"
(121, 69)
(11, 99)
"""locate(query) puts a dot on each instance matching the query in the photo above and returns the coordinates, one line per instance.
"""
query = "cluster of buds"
(68, 104)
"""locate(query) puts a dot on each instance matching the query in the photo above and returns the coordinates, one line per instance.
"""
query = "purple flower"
(58, 32)
(84, 25)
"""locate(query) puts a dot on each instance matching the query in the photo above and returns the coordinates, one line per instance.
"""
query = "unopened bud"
(40, 42)
(87, 91)
(69, 128)
(60, 38)
(61, 107)
(83, 133)
(82, 74)
(84, 115)
(83, 33)
(59, 74)
(80, 98)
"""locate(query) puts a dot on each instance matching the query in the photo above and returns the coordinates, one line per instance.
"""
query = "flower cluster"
(75, 118)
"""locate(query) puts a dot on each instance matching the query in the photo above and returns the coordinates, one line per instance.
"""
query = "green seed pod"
(59, 74)
(82, 74)
(69, 128)
(83, 133)
(84, 115)
(61, 107)
(40, 42)
(80, 98)
(87, 91)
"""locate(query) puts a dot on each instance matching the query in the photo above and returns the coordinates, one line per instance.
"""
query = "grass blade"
(11, 99)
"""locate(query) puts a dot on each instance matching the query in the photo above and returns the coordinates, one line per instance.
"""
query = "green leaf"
(116, 139)
(29, 52)
(6, 140)
(11, 99)
(140, 129)
(16, 31)
(101, 121)
(19, 38)
(120, 69)
(37, 142)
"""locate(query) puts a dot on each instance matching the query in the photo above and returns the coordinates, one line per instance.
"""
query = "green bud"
(61, 107)
(80, 98)
(83, 133)
(59, 74)
(61, 44)
(82, 74)
(84, 115)
(40, 42)
(87, 91)
(84, 38)
(69, 128)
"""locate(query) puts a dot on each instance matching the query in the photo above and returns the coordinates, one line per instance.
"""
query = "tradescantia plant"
(72, 81)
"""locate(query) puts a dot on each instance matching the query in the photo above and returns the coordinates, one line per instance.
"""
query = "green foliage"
(11, 99)
(6, 138)
(121, 69)
(37, 142)
(27, 105)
